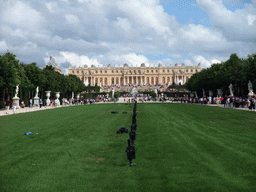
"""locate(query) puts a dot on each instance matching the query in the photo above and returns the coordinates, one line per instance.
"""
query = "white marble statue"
(37, 91)
(231, 89)
(250, 88)
(16, 91)
(113, 91)
(156, 91)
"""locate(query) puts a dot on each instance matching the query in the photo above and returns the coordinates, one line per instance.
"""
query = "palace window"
(186, 70)
(156, 70)
(73, 72)
(96, 71)
(100, 71)
(147, 71)
(172, 70)
(112, 71)
(196, 70)
(168, 71)
(116, 71)
(191, 70)
(151, 71)
(77, 71)
(105, 71)
(163, 71)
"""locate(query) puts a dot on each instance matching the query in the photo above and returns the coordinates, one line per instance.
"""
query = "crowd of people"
(227, 101)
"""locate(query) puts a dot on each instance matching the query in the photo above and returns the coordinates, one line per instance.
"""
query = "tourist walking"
(14, 106)
(7, 105)
(225, 101)
(251, 104)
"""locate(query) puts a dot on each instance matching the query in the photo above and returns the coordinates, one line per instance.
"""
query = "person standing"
(40, 103)
(231, 102)
(30, 103)
(225, 101)
(251, 104)
(7, 105)
(254, 103)
(14, 106)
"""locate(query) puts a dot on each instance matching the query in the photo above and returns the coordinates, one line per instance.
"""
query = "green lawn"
(181, 147)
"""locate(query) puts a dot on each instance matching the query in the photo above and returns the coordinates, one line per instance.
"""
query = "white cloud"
(72, 18)
(199, 33)
(132, 59)
(236, 26)
(119, 32)
(251, 19)
(77, 60)
(51, 6)
(3, 46)
(204, 62)
(124, 23)
(22, 15)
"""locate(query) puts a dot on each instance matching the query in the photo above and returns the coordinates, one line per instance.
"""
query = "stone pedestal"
(17, 100)
(36, 101)
(251, 93)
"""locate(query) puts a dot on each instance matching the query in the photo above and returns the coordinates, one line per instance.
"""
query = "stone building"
(54, 64)
(134, 75)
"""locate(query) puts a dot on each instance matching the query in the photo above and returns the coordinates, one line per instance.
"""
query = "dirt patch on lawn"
(97, 159)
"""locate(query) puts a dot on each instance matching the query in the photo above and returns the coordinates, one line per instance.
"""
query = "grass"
(181, 147)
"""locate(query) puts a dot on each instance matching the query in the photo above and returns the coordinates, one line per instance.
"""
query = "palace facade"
(134, 75)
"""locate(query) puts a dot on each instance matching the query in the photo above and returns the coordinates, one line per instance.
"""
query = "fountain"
(134, 91)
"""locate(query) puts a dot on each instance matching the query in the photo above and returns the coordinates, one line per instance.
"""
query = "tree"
(10, 75)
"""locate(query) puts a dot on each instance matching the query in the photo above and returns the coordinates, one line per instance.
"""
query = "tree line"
(29, 76)
(234, 71)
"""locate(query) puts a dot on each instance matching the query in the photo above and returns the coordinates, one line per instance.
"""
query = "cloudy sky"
(115, 32)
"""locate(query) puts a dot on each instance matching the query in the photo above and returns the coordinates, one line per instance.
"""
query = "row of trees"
(234, 71)
(29, 76)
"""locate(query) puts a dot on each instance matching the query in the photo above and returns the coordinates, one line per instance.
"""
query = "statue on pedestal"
(231, 89)
(16, 91)
(16, 98)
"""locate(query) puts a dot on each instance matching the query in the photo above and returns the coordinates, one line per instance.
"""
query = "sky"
(102, 32)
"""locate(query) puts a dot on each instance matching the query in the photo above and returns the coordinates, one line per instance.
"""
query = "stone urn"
(58, 96)
(48, 94)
